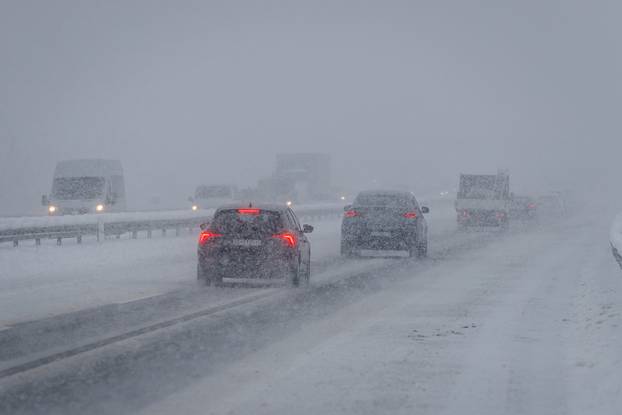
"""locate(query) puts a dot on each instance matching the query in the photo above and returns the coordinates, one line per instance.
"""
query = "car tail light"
(500, 215)
(288, 238)
(205, 236)
(410, 215)
(249, 211)
(351, 214)
(531, 206)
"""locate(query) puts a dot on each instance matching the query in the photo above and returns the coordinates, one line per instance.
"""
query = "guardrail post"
(59, 241)
(134, 234)
(149, 233)
(15, 243)
(79, 239)
(37, 241)
(100, 230)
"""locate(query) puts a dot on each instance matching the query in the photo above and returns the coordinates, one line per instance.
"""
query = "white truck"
(86, 186)
(483, 200)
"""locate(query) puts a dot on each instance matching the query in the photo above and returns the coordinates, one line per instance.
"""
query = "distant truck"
(483, 200)
(213, 196)
(86, 186)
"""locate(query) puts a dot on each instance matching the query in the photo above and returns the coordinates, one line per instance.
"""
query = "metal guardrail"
(117, 226)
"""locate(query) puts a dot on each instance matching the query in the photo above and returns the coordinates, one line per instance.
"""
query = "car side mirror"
(425, 209)
(347, 207)
(44, 200)
(204, 226)
(307, 228)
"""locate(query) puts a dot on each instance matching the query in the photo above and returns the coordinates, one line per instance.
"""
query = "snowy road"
(520, 323)
(531, 325)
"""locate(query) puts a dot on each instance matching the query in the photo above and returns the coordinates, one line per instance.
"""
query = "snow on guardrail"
(96, 218)
(61, 227)
(615, 237)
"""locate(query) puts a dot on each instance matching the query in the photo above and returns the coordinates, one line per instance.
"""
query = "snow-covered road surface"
(38, 282)
(527, 322)
(532, 325)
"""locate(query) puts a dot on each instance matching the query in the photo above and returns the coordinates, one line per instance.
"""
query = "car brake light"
(500, 215)
(410, 215)
(351, 214)
(531, 206)
(288, 238)
(205, 236)
(249, 211)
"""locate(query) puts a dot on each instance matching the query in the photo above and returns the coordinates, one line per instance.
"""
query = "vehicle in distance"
(86, 186)
(262, 241)
(523, 208)
(212, 196)
(483, 200)
(384, 220)
(551, 205)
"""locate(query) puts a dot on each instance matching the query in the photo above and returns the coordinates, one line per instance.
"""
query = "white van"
(86, 186)
(213, 196)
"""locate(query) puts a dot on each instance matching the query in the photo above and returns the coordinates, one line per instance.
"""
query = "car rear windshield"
(383, 200)
(235, 223)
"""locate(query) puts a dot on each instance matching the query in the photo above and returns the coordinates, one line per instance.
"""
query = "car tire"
(206, 277)
(202, 275)
(306, 275)
(294, 275)
(347, 250)
(422, 249)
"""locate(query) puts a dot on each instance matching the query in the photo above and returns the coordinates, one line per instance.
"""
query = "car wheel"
(206, 277)
(347, 249)
(306, 278)
(422, 249)
(294, 276)
(202, 275)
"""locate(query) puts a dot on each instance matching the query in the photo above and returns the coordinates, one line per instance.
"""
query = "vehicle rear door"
(247, 231)
(383, 212)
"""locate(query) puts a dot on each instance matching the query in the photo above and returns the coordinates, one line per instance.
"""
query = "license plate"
(246, 242)
(384, 234)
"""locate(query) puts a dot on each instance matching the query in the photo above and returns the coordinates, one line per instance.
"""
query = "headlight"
(289, 203)
(343, 198)
(99, 208)
(51, 209)
(195, 207)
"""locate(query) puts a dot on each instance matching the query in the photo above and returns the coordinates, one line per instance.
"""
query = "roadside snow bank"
(615, 236)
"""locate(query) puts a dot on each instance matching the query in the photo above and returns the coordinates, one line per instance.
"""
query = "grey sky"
(185, 92)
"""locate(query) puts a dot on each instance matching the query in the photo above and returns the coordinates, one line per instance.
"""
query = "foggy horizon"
(403, 93)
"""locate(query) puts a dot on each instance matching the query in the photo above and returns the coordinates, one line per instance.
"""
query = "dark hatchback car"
(384, 220)
(264, 241)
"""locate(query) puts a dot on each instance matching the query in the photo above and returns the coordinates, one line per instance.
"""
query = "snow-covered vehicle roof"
(88, 168)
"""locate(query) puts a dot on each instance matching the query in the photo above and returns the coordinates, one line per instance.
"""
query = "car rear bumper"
(481, 218)
(247, 266)
(379, 239)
